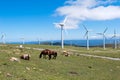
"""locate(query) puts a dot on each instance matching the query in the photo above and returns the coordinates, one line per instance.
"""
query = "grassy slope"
(63, 68)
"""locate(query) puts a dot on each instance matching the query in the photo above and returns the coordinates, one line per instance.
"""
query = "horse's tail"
(40, 55)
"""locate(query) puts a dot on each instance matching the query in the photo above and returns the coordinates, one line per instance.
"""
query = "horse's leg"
(27, 58)
(53, 56)
(49, 56)
(40, 55)
(44, 56)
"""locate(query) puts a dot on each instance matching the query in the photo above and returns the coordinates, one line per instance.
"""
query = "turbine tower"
(38, 39)
(23, 40)
(87, 36)
(2, 38)
(62, 26)
(115, 41)
(103, 34)
(51, 41)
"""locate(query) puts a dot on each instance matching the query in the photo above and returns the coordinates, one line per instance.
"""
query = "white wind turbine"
(23, 40)
(3, 38)
(62, 26)
(87, 36)
(51, 41)
(103, 34)
(38, 39)
(115, 41)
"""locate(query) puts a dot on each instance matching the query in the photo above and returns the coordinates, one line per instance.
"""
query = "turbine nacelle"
(114, 36)
(87, 31)
(62, 24)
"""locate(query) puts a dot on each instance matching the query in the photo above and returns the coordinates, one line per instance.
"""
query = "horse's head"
(54, 55)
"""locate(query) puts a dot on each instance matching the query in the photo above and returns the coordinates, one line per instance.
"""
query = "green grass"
(63, 68)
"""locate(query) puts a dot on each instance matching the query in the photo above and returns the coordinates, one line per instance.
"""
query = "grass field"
(63, 68)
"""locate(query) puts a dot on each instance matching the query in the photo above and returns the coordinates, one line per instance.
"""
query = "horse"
(66, 53)
(48, 52)
(25, 56)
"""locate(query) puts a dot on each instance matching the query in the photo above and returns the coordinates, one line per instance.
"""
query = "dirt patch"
(73, 73)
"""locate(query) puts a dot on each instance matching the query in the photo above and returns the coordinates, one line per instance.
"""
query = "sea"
(92, 42)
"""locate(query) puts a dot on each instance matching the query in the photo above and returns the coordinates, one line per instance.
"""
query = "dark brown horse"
(49, 53)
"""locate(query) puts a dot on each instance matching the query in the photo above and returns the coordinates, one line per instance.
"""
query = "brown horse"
(49, 53)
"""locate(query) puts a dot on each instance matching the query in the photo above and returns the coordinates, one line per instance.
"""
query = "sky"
(33, 19)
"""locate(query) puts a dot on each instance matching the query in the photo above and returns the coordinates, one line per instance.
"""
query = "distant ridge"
(93, 42)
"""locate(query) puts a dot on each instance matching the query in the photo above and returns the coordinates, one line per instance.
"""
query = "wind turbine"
(114, 36)
(2, 38)
(103, 34)
(119, 42)
(23, 40)
(38, 39)
(51, 42)
(62, 26)
(87, 36)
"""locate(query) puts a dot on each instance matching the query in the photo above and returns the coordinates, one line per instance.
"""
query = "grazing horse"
(49, 53)
(25, 56)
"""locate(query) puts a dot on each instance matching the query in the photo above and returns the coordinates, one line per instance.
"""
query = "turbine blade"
(99, 33)
(85, 34)
(3, 35)
(114, 32)
(65, 20)
(105, 30)
(112, 37)
(57, 24)
(66, 31)
(85, 27)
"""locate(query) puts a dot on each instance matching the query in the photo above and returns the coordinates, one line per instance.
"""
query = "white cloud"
(81, 10)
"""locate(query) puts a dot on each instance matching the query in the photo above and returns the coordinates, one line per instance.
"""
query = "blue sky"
(34, 19)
